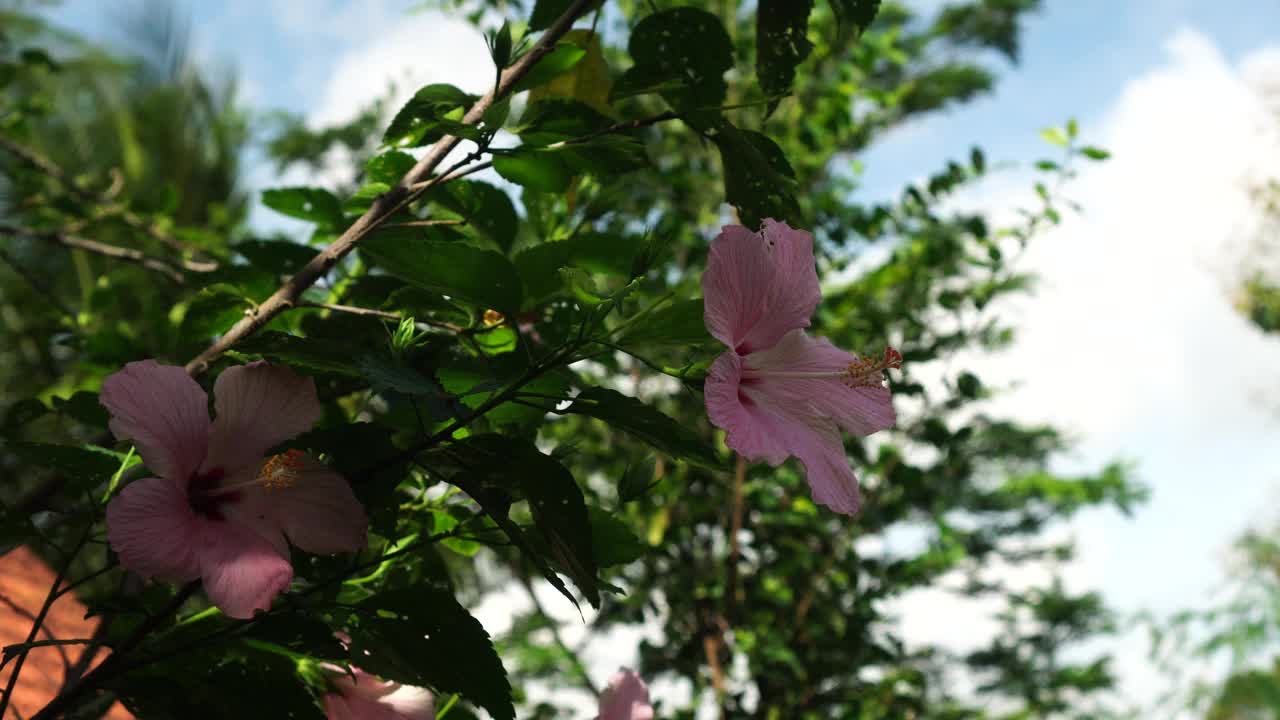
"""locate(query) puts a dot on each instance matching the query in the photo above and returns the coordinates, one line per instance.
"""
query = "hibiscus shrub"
(283, 471)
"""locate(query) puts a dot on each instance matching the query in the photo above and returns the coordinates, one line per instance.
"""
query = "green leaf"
(431, 113)
(211, 686)
(84, 466)
(485, 208)
(1054, 136)
(637, 480)
(679, 324)
(758, 180)
(645, 423)
(278, 257)
(385, 374)
(305, 203)
(1094, 153)
(311, 354)
(564, 57)
(855, 15)
(421, 636)
(389, 167)
(541, 170)
(546, 12)
(781, 45)
(684, 52)
(474, 388)
(559, 511)
(212, 310)
(614, 542)
(482, 277)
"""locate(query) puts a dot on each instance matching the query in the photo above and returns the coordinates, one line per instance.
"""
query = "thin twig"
(114, 252)
(386, 314)
(133, 221)
(38, 622)
(423, 223)
(61, 703)
(387, 204)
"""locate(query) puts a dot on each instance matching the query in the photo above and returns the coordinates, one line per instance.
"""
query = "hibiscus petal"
(365, 709)
(859, 410)
(336, 708)
(759, 286)
(153, 530)
(319, 513)
(626, 698)
(164, 412)
(751, 430)
(358, 683)
(258, 406)
(826, 467)
(793, 294)
(412, 703)
(242, 572)
(739, 269)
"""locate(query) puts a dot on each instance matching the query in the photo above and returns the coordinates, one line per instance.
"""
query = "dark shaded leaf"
(482, 277)
(781, 44)
(644, 422)
(421, 636)
(305, 203)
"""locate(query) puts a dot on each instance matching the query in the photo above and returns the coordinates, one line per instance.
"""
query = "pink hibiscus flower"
(778, 392)
(219, 510)
(626, 698)
(364, 697)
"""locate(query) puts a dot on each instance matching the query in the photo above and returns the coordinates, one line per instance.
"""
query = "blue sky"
(1130, 344)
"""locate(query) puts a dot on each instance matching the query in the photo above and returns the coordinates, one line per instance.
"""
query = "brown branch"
(38, 623)
(735, 528)
(616, 127)
(133, 221)
(109, 667)
(423, 223)
(115, 252)
(389, 202)
(370, 312)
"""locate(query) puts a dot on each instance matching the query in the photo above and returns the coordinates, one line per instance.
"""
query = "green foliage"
(421, 636)
(510, 380)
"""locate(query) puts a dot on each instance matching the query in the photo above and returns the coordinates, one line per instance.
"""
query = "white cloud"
(1132, 346)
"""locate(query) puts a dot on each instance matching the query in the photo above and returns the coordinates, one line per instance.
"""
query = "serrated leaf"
(212, 310)
(684, 52)
(305, 203)
(84, 466)
(463, 272)
(486, 208)
(563, 57)
(301, 352)
(421, 636)
(389, 167)
(587, 82)
(758, 179)
(278, 257)
(431, 113)
(559, 511)
(855, 15)
(781, 45)
(541, 170)
(614, 542)
(645, 423)
(546, 12)
(679, 323)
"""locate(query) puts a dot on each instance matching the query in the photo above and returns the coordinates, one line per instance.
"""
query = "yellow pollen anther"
(281, 471)
(866, 373)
